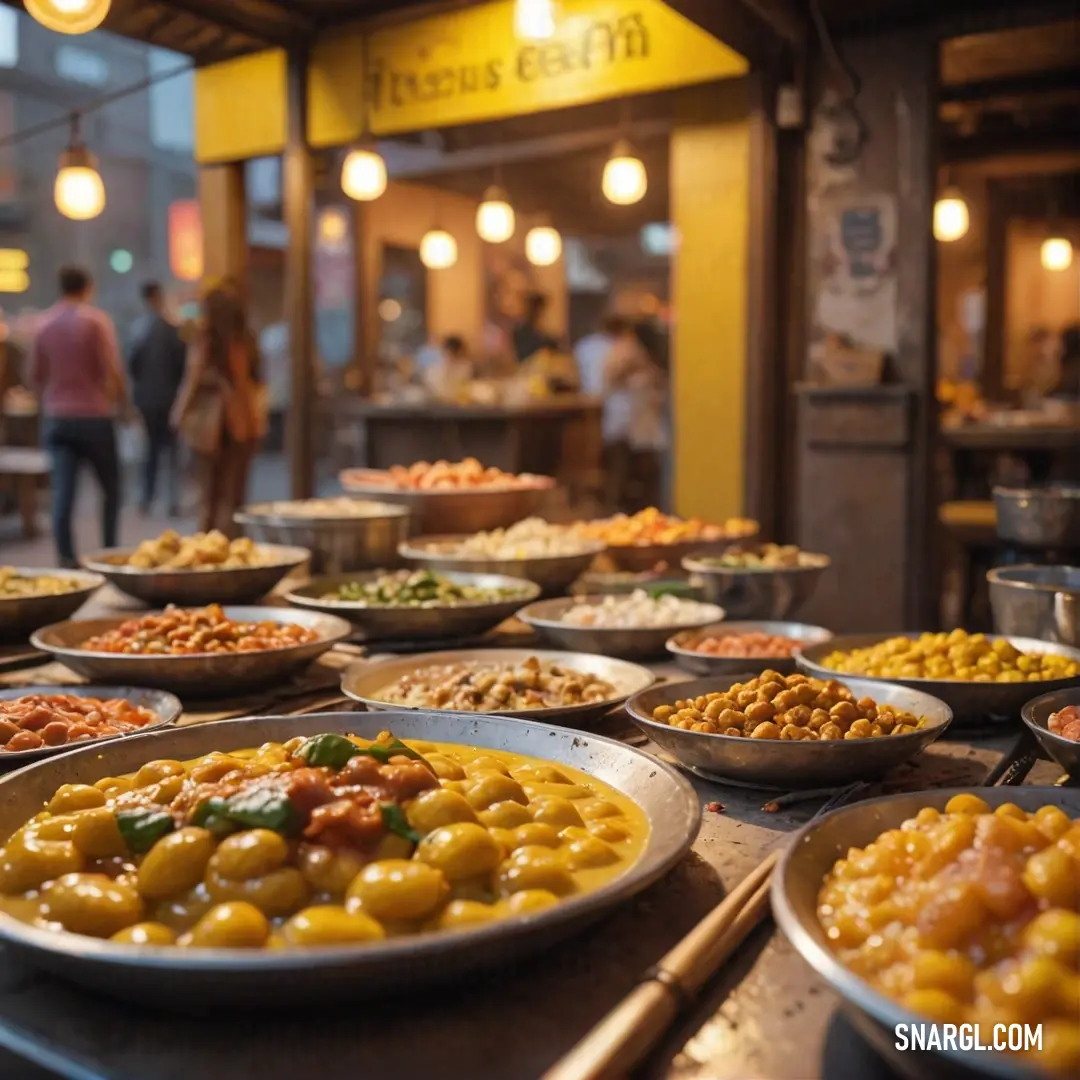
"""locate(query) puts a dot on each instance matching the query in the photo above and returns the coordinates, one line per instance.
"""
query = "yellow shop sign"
(467, 66)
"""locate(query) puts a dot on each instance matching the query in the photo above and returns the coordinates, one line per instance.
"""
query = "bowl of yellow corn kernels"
(983, 678)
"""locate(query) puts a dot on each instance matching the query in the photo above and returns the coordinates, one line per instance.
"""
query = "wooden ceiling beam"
(257, 19)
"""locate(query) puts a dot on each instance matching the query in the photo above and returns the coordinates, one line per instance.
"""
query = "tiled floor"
(269, 480)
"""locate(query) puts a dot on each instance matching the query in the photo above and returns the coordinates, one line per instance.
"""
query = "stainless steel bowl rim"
(933, 704)
(528, 615)
(816, 635)
(333, 633)
(424, 547)
(1000, 576)
(288, 555)
(168, 712)
(260, 514)
(527, 590)
(851, 987)
(89, 581)
(704, 566)
(642, 676)
(685, 802)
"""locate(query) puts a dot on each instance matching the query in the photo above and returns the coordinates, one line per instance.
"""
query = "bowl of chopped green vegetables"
(411, 603)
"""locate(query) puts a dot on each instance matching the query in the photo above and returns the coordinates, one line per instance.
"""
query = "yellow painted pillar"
(224, 221)
(710, 209)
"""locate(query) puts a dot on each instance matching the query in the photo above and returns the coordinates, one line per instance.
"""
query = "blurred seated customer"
(448, 376)
(1068, 383)
(529, 338)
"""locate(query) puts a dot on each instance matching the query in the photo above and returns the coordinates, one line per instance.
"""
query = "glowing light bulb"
(951, 218)
(438, 250)
(1056, 253)
(79, 190)
(534, 20)
(333, 228)
(543, 245)
(363, 175)
(69, 16)
(625, 180)
(495, 217)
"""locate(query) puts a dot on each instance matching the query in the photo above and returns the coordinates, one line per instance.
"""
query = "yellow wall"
(710, 171)
(240, 108)
(1036, 298)
(456, 296)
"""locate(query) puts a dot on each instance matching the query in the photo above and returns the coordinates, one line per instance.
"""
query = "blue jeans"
(71, 440)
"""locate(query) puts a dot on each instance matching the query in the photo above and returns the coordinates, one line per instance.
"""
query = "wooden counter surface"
(765, 1016)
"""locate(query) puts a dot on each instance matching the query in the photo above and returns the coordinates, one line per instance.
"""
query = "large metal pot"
(1039, 517)
(1037, 602)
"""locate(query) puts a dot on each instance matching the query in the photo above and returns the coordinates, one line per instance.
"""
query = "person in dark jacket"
(156, 359)
(529, 338)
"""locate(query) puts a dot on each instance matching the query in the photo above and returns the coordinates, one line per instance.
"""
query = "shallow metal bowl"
(971, 702)
(774, 592)
(811, 854)
(400, 623)
(629, 642)
(364, 679)
(1037, 601)
(1039, 517)
(336, 544)
(198, 978)
(207, 585)
(788, 764)
(553, 573)
(453, 510)
(703, 664)
(21, 616)
(639, 558)
(205, 675)
(1036, 714)
(166, 706)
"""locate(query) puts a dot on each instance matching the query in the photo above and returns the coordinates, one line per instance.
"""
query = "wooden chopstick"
(635, 1025)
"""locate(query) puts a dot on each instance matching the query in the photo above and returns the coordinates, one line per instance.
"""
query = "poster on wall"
(857, 291)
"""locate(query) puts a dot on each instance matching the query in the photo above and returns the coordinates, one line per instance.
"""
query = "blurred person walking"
(220, 409)
(75, 369)
(156, 361)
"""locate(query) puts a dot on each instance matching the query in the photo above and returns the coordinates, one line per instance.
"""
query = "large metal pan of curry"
(289, 860)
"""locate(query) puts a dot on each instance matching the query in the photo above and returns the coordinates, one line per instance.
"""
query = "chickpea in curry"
(969, 916)
(325, 840)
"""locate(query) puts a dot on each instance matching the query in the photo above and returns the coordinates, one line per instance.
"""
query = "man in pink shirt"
(76, 370)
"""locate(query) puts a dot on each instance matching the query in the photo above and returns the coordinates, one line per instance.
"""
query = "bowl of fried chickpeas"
(204, 568)
(982, 677)
(946, 908)
(770, 730)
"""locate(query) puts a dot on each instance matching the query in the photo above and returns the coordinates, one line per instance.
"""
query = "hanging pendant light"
(79, 190)
(625, 179)
(534, 20)
(951, 217)
(1056, 253)
(438, 250)
(495, 216)
(363, 174)
(69, 16)
(543, 245)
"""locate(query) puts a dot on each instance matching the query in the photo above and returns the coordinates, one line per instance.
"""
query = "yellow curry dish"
(969, 916)
(17, 586)
(328, 840)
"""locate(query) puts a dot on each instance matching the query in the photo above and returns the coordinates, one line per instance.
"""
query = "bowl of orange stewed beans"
(947, 908)
(731, 647)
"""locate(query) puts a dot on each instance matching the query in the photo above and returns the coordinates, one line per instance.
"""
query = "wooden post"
(298, 212)
(224, 220)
